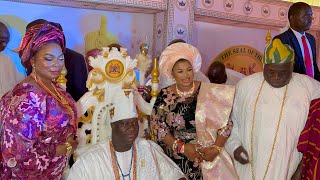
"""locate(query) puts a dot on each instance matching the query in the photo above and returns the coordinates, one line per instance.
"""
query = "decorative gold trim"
(141, 114)
(89, 138)
(99, 94)
(88, 118)
(111, 112)
(127, 85)
(105, 54)
(127, 92)
(105, 78)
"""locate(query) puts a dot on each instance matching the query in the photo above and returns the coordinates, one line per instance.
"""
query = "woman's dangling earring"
(34, 71)
(174, 80)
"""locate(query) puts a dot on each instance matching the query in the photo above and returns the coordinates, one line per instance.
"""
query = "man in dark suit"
(304, 44)
(76, 66)
(77, 73)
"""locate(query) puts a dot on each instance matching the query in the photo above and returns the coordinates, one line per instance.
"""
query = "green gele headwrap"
(277, 53)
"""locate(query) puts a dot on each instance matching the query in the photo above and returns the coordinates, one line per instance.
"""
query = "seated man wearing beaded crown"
(269, 111)
(125, 156)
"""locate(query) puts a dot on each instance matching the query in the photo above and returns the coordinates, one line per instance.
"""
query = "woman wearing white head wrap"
(170, 56)
(190, 119)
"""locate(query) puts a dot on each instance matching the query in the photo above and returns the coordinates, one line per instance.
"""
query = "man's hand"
(297, 174)
(241, 155)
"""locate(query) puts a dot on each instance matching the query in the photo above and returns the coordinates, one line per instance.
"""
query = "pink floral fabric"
(33, 123)
(176, 115)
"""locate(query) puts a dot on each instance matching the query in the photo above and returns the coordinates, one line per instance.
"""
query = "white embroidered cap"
(123, 106)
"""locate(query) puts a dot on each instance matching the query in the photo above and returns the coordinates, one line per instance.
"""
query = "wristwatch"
(69, 148)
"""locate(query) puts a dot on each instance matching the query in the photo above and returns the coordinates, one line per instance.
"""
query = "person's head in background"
(300, 16)
(35, 22)
(217, 73)
(177, 41)
(118, 46)
(95, 52)
(4, 36)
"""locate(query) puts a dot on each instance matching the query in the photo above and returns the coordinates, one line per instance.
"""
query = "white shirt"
(9, 75)
(298, 36)
(124, 160)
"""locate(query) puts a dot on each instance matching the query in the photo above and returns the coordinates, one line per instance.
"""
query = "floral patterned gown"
(176, 115)
(33, 123)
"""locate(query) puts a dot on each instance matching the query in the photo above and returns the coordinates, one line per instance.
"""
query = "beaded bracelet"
(182, 149)
(178, 146)
(174, 144)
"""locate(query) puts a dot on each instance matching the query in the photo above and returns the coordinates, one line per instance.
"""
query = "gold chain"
(185, 94)
(275, 137)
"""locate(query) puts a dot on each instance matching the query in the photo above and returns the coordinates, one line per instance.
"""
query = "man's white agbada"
(152, 162)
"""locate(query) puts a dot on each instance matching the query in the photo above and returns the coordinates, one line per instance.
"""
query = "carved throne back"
(112, 73)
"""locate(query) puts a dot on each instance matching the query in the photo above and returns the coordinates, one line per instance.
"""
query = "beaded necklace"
(116, 167)
(60, 97)
(187, 93)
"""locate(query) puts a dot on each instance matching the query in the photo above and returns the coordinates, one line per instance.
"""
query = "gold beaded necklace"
(59, 97)
(187, 93)
(275, 137)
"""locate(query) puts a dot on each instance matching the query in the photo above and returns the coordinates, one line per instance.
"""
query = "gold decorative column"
(62, 81)
(268, 37)
(155, 78)
(155, 85)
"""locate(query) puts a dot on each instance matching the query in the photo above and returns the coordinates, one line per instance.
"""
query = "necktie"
(307, 58)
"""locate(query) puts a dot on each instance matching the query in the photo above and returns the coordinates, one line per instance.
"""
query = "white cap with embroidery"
(123, 106)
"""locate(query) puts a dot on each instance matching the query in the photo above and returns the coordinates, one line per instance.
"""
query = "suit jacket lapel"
(295, 43)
